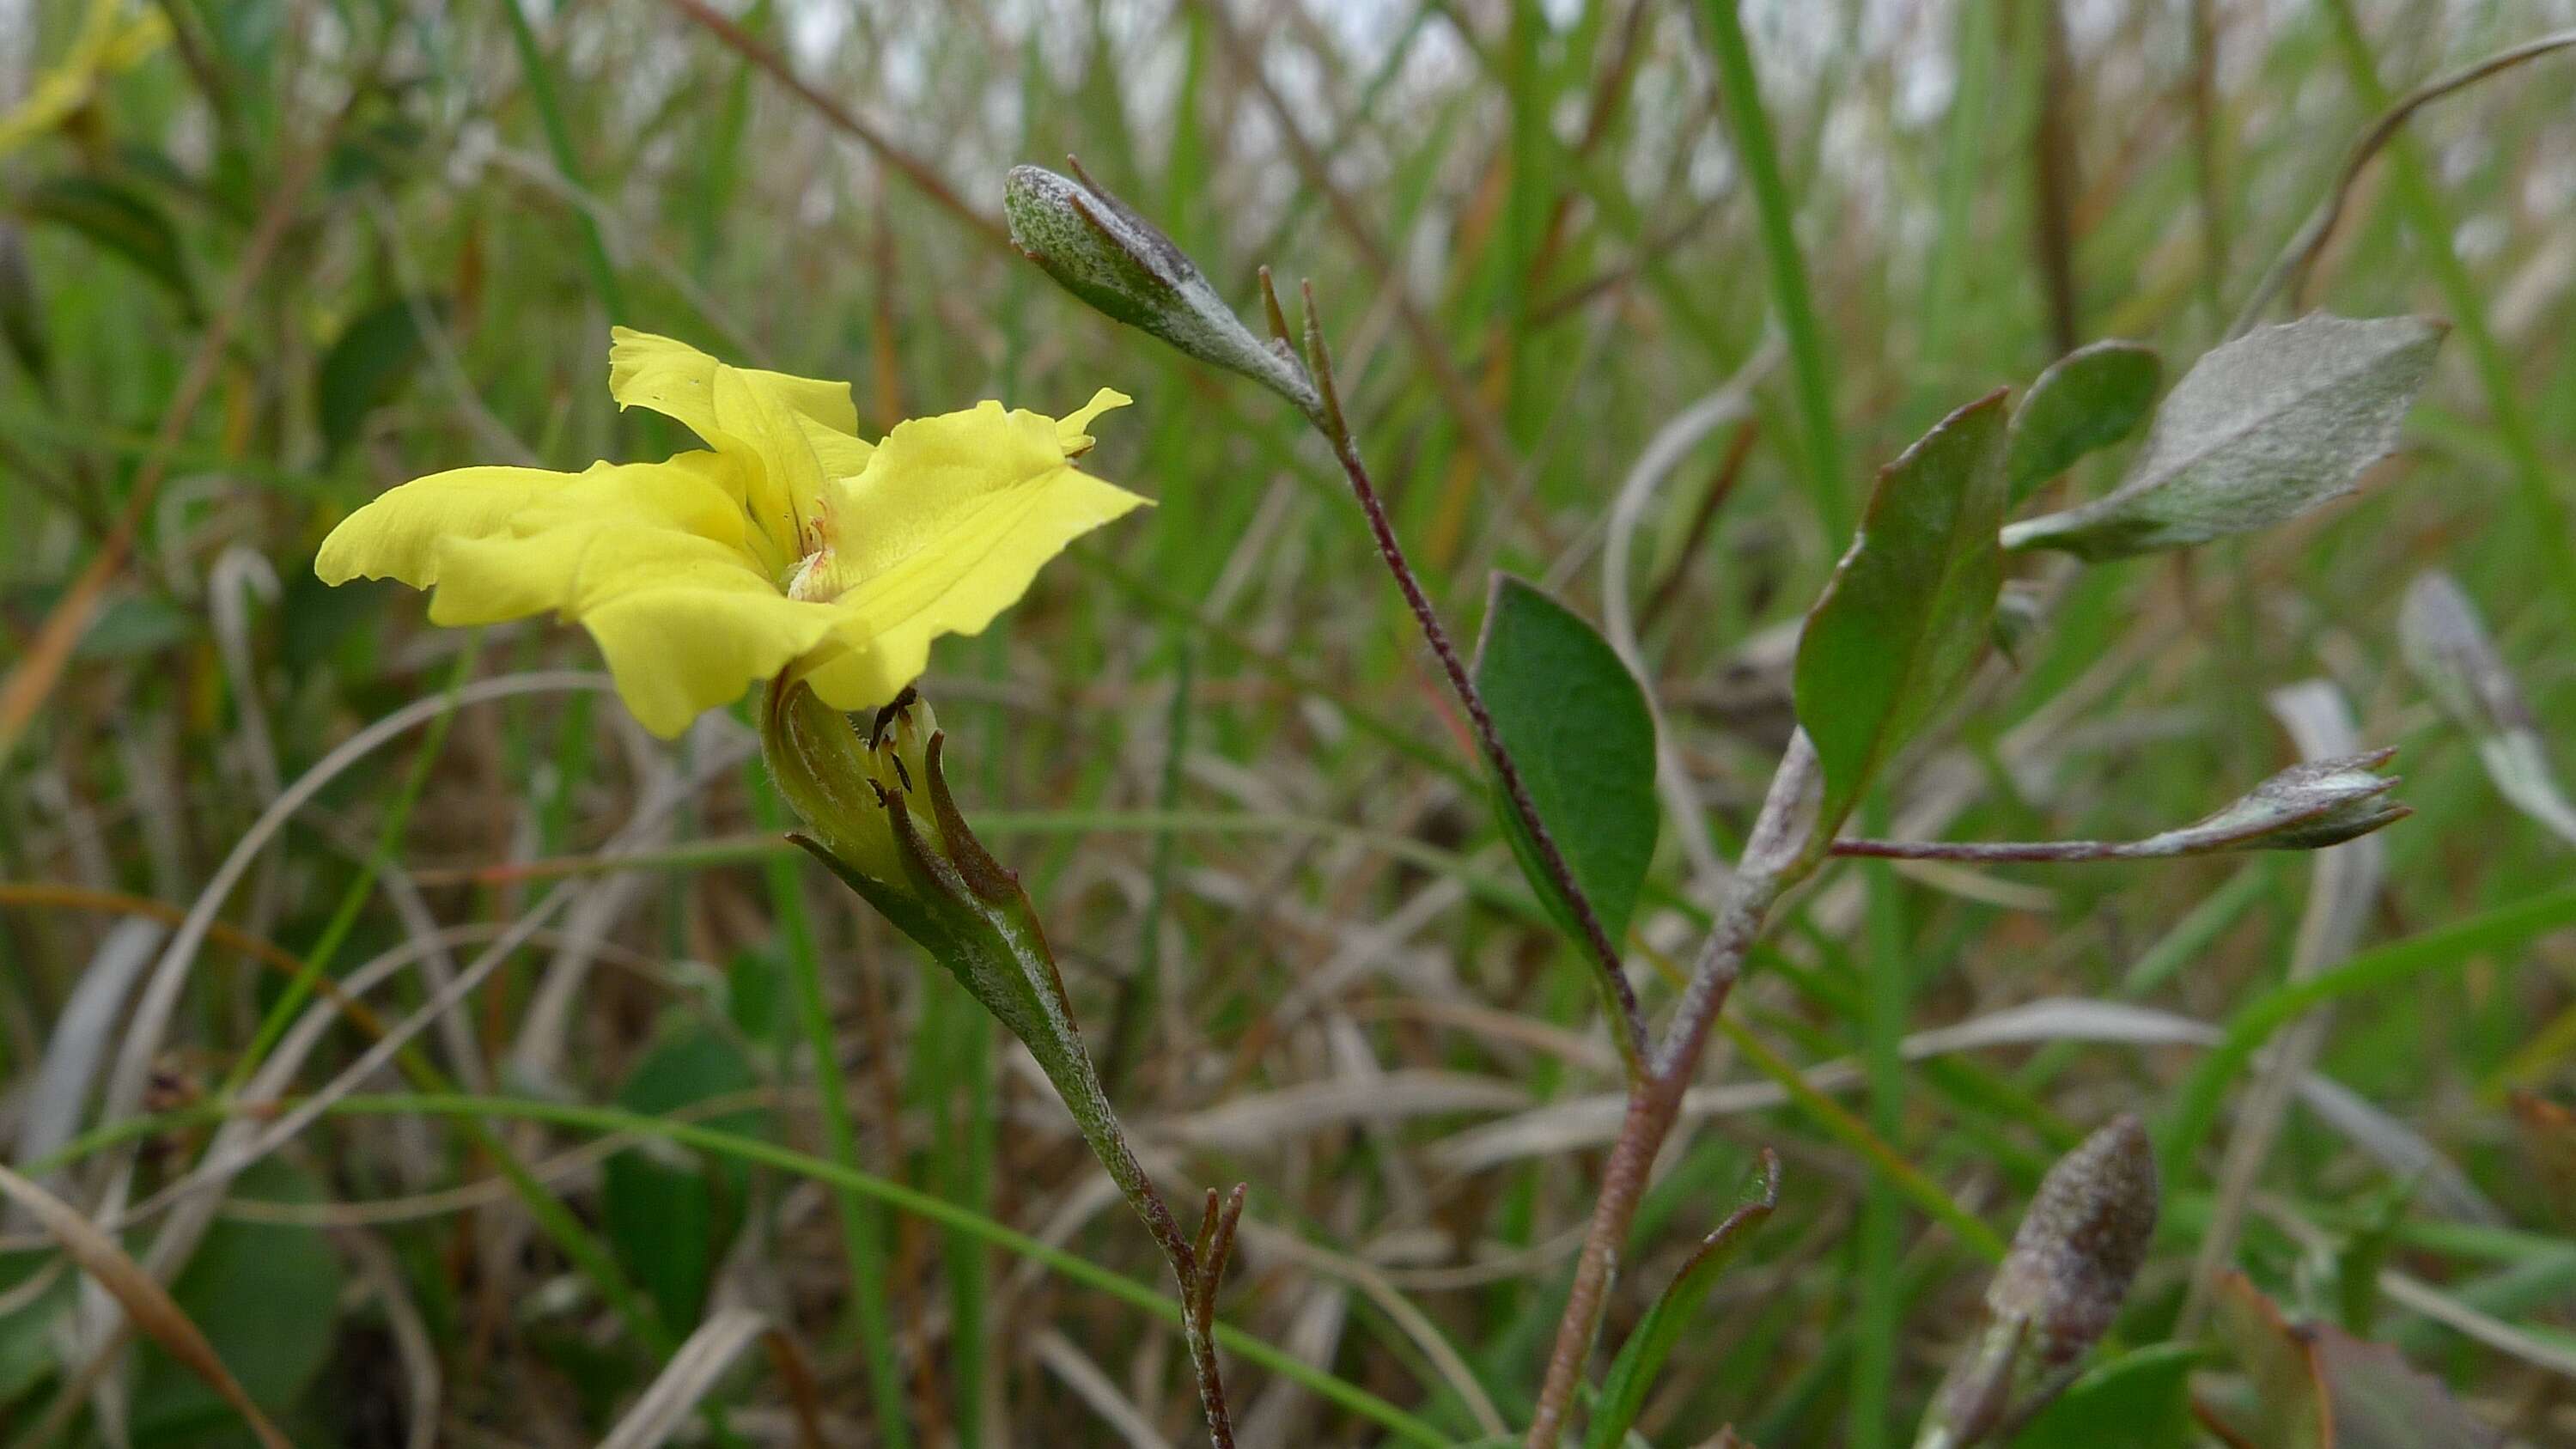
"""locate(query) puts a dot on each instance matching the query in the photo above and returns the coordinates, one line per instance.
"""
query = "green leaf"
(670, 1216)
(1623, 1393)
(1906, 612)
(119, 219)
(2090, 398)
(364, 369)
(267, 1296)
(2260, 430)
(1578, 730)
(2140, 1400)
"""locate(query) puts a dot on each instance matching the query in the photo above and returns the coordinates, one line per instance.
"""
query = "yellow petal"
(840, 454)
(685, 623)
(797, 432)
(686, 628)
(546, 554)
(397, 535)
(1073, 430)
(674, 379)
(951, 520)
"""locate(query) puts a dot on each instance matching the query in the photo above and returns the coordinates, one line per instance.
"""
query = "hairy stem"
(1777, 853)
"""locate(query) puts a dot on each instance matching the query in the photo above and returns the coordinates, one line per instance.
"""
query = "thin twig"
(1776, 854)
(1630, 1029)
(2290, 272)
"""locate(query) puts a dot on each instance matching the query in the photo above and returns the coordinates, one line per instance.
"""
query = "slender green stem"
(2389, 965)
(1740, 97)
(863, 1234)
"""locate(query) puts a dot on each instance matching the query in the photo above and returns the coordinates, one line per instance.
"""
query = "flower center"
(814, 580)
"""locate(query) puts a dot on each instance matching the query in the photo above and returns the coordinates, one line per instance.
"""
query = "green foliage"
(1906, 612)
(671, 1220)
(2088, 399)
(2261, 430)
(2140, 1400)
(1576, 724)
(267, 1296)
(1632, 1373)
(1555, 228)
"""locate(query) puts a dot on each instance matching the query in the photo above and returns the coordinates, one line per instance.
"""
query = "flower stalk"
(884, 821)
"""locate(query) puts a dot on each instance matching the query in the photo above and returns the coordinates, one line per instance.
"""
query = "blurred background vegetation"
(264, 258)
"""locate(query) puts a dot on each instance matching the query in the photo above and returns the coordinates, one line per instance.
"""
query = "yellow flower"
(793, 545)
(105, 44)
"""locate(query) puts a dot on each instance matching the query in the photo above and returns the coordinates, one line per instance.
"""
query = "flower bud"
(850, 785)
(874, 792)
(2079, 1245)
(2309, 806)
(1101, 251)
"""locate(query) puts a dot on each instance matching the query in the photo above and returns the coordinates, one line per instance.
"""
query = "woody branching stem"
(1775, 856)
(1658, 1073)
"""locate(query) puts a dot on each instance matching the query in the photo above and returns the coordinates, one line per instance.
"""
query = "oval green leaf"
(2090, 398)
(1578, 730)
(1906, 612)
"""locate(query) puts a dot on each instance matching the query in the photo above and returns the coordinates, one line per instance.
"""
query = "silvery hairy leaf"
(2261, 429)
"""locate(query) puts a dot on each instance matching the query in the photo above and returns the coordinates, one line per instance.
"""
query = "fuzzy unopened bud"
(2309, 806)
(2079, 1247)
(2083, 1239)
(1099, 249)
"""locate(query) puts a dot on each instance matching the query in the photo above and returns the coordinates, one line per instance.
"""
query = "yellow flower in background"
(791, 545)
(106, 43)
